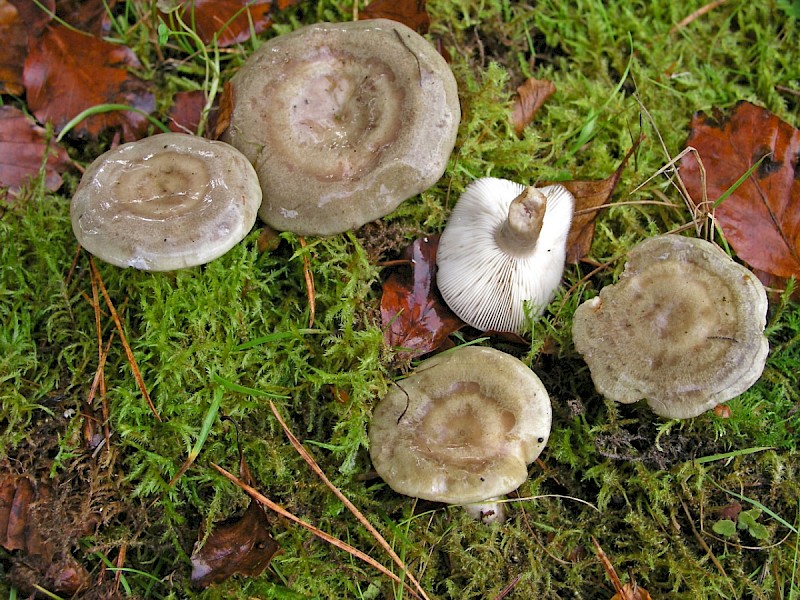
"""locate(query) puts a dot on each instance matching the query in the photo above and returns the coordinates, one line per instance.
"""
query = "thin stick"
(263, 500)
(350, 506)
(309, 277)
(128, 352)
(696, 15)
(610, 571)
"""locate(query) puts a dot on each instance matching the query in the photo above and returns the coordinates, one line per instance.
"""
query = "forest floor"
(118, 495)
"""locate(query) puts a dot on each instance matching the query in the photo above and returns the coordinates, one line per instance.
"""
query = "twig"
(128, 352)
(703, 544)
(309, 277)
(610, 571)
(350, 506)
(696, 15)
(263, 500)
(507, 590)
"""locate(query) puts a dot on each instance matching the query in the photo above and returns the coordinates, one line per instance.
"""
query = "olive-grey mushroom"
(343, 122)
(462, 428)
(683, 328)
(504, 245)
(165, 202)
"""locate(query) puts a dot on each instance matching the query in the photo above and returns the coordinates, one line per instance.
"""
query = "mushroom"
(165, 202)
(683, 328)
(343, 122)
(462, 428)
(504, 245)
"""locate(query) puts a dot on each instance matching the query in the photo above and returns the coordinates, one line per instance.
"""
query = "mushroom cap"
(343, 122)
(485, 284)
(683, 327)
(165, 202)
(462, 428)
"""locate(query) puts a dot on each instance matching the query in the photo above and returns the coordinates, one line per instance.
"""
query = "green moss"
(614, 472)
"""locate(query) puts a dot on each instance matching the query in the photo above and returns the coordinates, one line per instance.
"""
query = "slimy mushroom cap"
(504, 245)
(462, 428)
(343, 122)
(683, 328)
(165, 202)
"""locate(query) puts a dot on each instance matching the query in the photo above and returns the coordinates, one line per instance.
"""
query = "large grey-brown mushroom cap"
(683, 328)
(343, 122)
(462, 428)
(165, 202)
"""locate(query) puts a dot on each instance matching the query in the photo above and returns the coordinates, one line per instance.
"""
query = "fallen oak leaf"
(531, 95)
(761, 217)
(68, 72)
(413, 317)
(23, 148)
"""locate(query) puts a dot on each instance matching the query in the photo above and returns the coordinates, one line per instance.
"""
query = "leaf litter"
(761, 217)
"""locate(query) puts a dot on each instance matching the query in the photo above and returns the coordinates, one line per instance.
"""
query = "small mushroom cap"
(343, 122)
(683, 327)
(462, 428)
(165, 202)
(484, 280)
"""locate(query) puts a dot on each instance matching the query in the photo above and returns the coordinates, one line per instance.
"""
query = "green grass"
(652, 501)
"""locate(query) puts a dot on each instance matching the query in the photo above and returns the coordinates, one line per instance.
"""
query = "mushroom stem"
(520, 232)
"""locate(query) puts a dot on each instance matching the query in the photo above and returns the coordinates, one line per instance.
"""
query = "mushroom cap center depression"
(163, 186)
(334, 113)
(464, 426)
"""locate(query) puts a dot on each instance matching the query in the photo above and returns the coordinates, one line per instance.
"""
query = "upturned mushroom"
(462, 428)
(504, 245)
(343, 122)
(165, 202)
(683, 328)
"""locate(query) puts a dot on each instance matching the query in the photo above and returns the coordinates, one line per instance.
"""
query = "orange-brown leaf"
(229, 20)
(13, 49)
(411, 13)
(413, 316)
(90, 16)
(589, 196)
(244, 546)
(187, 109)
(761, 219)
(22, 149)
(531, 95)
(67, 72)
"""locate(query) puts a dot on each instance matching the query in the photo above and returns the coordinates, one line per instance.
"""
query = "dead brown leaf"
(244, 547)
(23, 147)
(414, 318)
(187, 110)
(12, 50)
(67, 72)
(589, 197)
(531, 95)
(229, 20)
(411, 13)
(24, 506)
(35, 15)
(761, 219)
(90, 16)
